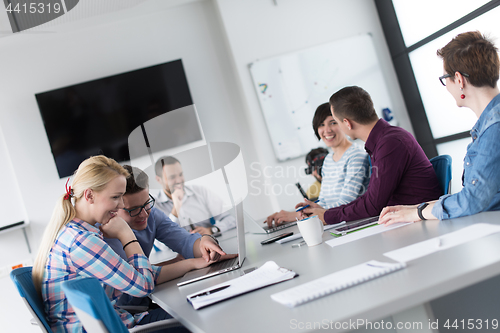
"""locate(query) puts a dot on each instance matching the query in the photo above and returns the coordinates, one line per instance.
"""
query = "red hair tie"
(69, 192)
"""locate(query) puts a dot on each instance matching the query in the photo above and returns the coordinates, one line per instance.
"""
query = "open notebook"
(266, 275)
(335, 282)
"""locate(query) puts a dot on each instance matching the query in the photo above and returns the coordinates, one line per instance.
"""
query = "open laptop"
(256, 227)
(221, 266)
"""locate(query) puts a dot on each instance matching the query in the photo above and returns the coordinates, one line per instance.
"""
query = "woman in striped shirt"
(345, 173)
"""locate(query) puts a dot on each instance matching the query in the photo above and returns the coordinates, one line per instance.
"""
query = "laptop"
(221, 266)
(255, 227)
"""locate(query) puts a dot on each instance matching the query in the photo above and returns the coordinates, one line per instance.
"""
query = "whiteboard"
(290, 87)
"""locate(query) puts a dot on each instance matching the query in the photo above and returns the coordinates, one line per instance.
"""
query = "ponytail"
(62, 214)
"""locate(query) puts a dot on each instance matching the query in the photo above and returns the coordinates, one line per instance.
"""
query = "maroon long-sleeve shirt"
(401, 175)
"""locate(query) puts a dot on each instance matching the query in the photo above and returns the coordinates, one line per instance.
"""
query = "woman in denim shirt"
(471, 71)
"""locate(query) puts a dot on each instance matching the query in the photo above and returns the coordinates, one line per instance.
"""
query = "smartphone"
(275, 238)
(355, 225)
(301, 191)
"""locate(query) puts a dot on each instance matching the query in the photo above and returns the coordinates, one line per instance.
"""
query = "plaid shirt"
(80, 251)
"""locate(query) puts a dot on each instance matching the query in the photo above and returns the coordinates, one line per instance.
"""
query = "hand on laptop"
(202, 263)
(281, 217)
(209, 249)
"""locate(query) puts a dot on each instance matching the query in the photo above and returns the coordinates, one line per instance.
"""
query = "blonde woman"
(72, 247)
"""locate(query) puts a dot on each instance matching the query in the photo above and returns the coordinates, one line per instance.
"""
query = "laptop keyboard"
(218, 266)
(282, 226)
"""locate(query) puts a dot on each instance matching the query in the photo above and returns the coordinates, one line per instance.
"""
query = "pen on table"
(304, 207)
(208, 292)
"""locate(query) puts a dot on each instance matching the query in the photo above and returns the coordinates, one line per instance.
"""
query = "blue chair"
(24, 283)
(93, 308)
(442, 167)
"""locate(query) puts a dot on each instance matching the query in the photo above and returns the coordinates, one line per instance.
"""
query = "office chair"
(442, 167)
(93, 308)
(24, 283)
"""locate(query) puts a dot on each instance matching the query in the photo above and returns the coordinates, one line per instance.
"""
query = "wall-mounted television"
(96, 117)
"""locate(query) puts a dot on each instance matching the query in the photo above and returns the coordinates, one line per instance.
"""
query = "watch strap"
(420, 208)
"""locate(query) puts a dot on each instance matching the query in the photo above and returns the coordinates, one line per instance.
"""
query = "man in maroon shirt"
(401, 173)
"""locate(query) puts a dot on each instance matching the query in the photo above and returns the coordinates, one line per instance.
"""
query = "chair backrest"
(92, 306)
(442, 167)
(24, 282)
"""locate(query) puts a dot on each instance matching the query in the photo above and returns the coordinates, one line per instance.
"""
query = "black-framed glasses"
(137, 210)
(443, 77)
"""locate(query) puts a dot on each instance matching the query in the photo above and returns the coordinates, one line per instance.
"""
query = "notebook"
(255, 227)
(335, 282)
(266, 275)
(221, 266)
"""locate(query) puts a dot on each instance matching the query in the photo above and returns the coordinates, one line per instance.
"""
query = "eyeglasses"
(147, 207)
(443, 78)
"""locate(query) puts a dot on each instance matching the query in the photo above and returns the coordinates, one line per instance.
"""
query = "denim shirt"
(481, 178)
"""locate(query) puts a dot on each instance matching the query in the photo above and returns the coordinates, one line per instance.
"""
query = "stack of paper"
(268, 274)
(335, 282)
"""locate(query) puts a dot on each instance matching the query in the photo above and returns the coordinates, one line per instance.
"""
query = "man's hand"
(281, 217)
(177, 197)
(310, 211)
(306, 202)
(202, 230)
(210, 250)
(202, 263)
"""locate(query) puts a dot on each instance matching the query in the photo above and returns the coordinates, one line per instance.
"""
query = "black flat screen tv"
(96, 117)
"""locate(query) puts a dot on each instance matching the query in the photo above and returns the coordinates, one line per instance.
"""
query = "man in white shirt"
(192, 207)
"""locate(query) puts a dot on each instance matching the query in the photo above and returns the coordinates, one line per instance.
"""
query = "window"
(414, 31)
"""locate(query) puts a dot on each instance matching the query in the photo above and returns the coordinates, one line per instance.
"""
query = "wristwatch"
(215, 230)
(420, 208)
(214, 239)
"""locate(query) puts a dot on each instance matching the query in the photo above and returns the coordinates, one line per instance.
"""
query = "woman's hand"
(281, 217)
(117, 227)
(394, 214)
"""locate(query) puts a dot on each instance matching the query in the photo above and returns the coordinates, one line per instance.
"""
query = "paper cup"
(311, 230)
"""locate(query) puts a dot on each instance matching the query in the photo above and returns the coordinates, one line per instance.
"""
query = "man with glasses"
(149, 223)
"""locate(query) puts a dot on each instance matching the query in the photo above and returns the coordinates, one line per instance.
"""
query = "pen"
(304, 207)
(208, 292)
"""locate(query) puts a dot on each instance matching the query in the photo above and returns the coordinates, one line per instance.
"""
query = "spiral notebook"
(335, 282)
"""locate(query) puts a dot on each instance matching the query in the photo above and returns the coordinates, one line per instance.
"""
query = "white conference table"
(398, 296)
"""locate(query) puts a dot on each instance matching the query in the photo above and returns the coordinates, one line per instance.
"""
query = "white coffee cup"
(311, 229)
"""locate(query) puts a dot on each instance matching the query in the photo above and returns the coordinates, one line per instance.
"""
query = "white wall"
(216, 40)
(259, 29)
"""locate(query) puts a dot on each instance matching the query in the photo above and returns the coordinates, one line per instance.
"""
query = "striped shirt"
(80, 251)
(345, 180)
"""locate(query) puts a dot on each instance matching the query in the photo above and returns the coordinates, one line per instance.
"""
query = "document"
(266, 275)
(364, 233)
(432, 245)
(335, 282)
